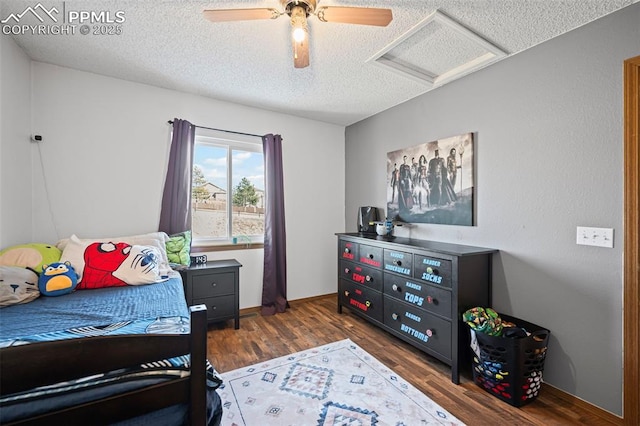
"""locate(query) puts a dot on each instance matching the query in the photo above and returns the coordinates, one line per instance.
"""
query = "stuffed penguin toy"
(57, 279)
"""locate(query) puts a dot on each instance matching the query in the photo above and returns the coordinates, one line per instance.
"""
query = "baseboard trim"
(256, 309)
(574, 401)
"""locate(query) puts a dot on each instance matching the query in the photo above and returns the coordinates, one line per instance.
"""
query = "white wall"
(548, 158)
(105, 151)
(15, 158)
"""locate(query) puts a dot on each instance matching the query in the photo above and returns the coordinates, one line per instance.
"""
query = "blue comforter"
(97, 307)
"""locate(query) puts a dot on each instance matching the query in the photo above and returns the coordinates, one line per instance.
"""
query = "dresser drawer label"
(412, 298)
(413, 286)
(371, 262)
(414, 333)
(398, 269)
(431, 277)
(431, 262)
(414, 317)
(362, 306)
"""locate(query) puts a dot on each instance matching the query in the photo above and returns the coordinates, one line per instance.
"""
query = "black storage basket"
(510, 368)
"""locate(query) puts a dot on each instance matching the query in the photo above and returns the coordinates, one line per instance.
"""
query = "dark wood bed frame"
(28, 366)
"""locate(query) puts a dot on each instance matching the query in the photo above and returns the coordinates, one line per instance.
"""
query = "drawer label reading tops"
(412, 298)
(358, 277)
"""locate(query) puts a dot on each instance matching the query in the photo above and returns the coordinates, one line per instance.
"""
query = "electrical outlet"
(599, 237)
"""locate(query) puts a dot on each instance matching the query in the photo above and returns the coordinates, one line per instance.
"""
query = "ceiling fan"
(298, 11)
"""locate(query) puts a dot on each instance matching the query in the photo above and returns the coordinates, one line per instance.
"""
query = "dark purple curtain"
(175, 215)
(274, 285)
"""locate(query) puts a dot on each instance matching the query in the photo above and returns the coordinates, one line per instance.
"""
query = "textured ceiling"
(169, 44)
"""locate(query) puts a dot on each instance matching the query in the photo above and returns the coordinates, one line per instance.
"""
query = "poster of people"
(432, 182)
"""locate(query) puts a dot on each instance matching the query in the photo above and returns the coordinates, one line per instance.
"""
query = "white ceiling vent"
(437, 50)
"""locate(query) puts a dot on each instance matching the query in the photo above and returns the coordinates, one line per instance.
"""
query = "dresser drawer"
(428, 297)
(398, 262)
(220, 307)
(209, 285)
(361, 299)
(348, 250)
(364, 275)
(420, 327)
(433, 270)
(371, 256)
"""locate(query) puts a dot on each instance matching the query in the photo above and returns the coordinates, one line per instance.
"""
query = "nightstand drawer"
(221, 307)
(209, 285)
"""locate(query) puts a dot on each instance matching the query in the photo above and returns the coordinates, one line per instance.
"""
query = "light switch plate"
(599, 237)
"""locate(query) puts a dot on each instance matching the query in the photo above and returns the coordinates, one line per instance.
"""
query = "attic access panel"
(437, 50)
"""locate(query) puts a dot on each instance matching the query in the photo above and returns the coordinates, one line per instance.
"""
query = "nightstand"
(216, 285)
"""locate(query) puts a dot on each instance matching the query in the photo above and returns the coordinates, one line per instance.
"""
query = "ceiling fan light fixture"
(298, 24)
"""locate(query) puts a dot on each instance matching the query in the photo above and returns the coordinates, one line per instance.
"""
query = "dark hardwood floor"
(315, 322)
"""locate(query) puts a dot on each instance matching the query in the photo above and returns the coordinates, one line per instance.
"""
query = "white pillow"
(141, 266)
(154, 239)
(108, 262)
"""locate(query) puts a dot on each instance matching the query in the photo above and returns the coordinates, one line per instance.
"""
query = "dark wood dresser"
(216, 285)
(416, 290)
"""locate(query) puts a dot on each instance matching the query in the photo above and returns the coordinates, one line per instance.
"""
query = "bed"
(131, 354)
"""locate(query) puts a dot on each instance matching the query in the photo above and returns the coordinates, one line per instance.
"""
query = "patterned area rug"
(334, 384)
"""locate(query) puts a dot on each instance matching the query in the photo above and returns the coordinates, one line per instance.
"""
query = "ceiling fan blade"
(225, 15)
(300, 53)
(355, 15)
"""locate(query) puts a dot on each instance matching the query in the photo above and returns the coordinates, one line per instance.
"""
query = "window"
(227, 189)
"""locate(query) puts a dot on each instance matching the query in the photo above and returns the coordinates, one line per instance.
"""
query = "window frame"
(230, 143)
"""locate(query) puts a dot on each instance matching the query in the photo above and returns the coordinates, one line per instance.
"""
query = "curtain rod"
(223, 130)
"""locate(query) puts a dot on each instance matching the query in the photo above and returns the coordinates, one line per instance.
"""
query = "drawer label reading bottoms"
(414, 333)
(362, 306)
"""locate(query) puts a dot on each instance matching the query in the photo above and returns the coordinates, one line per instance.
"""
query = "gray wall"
(15, 147)
(548, 154)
